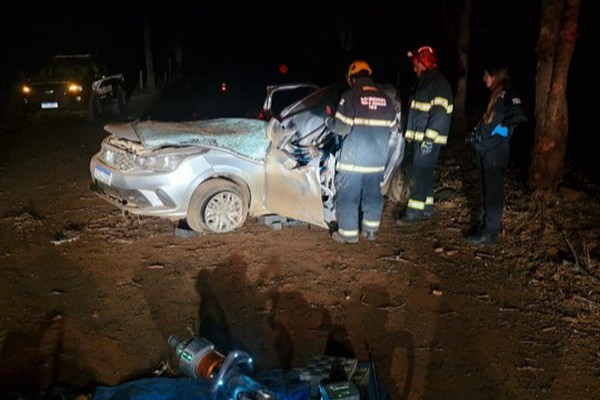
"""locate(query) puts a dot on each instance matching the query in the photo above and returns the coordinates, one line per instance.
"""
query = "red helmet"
(426, 55)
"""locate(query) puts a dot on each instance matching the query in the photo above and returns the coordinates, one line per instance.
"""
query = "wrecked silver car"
(215, 173)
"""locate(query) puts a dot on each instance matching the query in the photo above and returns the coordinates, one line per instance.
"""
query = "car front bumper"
(164, 194)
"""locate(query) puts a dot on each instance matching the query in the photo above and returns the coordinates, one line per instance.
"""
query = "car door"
(292, 188)
(300, 164)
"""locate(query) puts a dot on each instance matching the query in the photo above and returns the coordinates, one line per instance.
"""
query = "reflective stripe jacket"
(364, 117)
(431, 107)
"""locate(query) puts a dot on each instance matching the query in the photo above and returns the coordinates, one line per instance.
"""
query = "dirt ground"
(89, 296)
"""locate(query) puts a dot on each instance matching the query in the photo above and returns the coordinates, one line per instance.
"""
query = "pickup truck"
(74, 83)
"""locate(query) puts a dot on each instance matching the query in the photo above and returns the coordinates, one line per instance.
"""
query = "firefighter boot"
(337, 237)
(370, 235)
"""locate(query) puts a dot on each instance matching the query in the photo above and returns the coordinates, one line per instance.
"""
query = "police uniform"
(491, 141)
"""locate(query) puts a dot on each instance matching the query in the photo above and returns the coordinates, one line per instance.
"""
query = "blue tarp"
(158, 388)
(283, 383)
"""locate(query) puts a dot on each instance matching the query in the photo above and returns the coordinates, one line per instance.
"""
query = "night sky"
(252, 40)
(262, 35)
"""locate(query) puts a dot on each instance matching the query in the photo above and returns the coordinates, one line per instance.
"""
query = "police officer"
(427, 128)
(363, 119)
(491, 140)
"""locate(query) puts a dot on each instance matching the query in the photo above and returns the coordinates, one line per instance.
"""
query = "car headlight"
(163, 163)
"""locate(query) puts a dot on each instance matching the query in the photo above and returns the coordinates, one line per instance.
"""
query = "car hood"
(53, 80)
(244, 136)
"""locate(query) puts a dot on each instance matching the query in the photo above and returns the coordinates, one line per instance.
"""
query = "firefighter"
(364, 119)
(491, 140)
(427, 128)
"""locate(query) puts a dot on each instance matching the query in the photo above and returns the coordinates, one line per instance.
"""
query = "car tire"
(94, 108)
(399, 189)
(217, 206)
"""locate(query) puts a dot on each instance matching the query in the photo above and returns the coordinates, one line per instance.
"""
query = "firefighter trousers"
(422, 181)
(358, 201)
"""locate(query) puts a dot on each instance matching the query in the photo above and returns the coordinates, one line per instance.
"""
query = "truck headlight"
(74, 88)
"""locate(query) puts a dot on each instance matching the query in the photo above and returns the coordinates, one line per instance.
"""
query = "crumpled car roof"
(244, 136)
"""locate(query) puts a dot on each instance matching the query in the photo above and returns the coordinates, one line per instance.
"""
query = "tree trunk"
(558, 34)
(150, 79)
(344, 31)
(460, 103)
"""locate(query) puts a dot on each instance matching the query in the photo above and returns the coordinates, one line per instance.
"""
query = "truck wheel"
(217, 206)
(120, 101)
(94, 108)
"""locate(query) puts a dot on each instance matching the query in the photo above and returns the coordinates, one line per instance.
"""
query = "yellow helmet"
(358, 66)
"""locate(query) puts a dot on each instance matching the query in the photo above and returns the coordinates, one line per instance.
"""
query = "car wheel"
(217, 206)
(399, 189)
(94, 108)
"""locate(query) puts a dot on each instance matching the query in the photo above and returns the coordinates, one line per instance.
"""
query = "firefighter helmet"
(425, 55)
(358, 66)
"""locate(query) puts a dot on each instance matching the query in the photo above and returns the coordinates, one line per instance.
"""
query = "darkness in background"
(581, 91)
(249, 42)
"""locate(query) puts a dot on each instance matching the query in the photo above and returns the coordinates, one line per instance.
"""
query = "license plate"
(49, 105)
(102, 174)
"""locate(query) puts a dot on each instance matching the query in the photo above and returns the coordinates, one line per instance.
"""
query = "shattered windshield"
(243, 136)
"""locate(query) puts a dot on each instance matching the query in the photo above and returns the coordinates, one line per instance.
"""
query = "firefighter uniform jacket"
(365, 117)
(431, 109)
